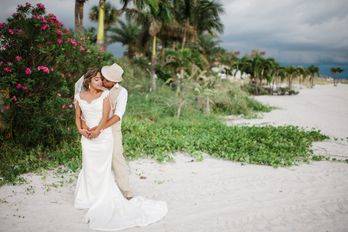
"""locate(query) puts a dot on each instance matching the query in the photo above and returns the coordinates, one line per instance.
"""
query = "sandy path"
(212, 195)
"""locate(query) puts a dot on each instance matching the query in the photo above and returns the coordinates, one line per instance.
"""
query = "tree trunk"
(207, 105)
(334, 80)
(179, 92)
(153, 64)
(181, 104)
(100, 35)
(184, 38)
(79, 16)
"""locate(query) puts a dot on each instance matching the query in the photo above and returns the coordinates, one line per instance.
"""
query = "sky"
(295, 32)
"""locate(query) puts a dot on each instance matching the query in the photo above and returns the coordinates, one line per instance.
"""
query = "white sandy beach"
(217, 195)
(324, 107)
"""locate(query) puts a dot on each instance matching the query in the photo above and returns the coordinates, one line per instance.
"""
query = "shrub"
(40, 61)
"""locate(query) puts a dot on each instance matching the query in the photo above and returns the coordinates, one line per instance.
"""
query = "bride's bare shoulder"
(83, 94)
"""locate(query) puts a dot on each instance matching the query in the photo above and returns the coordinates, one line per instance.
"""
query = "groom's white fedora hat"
(112, 72)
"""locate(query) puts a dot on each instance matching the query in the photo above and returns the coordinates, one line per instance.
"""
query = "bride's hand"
(85, 133)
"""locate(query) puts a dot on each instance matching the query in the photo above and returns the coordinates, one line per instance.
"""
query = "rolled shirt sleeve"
(121, 103)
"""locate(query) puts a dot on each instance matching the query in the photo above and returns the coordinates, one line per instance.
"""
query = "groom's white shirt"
(121, 102)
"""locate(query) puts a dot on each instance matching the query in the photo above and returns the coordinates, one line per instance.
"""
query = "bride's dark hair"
(88, 77)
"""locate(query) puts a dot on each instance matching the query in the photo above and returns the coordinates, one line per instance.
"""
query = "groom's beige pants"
(119, 163)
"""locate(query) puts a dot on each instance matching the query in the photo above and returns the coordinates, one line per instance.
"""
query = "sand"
(213, 195)
(324, 108)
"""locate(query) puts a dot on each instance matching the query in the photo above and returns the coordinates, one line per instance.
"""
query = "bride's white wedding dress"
(96, 189)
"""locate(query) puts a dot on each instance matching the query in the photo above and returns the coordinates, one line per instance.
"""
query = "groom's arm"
(120, 109)
(111, 121)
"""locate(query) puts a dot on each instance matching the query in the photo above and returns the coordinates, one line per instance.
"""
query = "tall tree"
(335, 71)
(313, 72)
(152, 14)
(79, 5)
(197, 16)
(106, 15)
(127, 32)
(101, 30)
(291, 72)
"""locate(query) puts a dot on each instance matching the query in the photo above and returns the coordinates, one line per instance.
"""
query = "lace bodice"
(92, 111)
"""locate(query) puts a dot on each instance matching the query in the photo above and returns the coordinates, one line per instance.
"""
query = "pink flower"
(2, 25)
(44, 27)
(25, 88)
(59, 41)
(82, 49)
(59, 32)
(36, 17)
(43, 20)
(52, 19)
(4, 47)
(11, 31)
(8, 69)
(44, 69)
(18, 86)
(40, 6)
(73, 42)
(27, 71)
(6, 107)
(18, 58)
(14, 98)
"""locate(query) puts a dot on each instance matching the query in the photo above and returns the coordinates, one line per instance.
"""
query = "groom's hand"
(94, 132)
(93, 128)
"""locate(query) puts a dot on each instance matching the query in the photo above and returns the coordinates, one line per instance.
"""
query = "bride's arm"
(103, 121)
(78, 120)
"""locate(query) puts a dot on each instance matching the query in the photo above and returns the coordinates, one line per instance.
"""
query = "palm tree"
(101, 30)
(182, 61)
(335, 71)
(127, 33)
(204, 84)
(280, 74)
(270, 69)
(106, 15)
(79, 4)
(291, 72)
(196, 17)
(152, 15)
(313, 71)
(208, 45)
(303, 73)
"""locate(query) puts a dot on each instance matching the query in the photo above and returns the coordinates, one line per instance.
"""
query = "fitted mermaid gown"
(96, 189)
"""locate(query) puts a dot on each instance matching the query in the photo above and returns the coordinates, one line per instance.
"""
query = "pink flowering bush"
(40, 60)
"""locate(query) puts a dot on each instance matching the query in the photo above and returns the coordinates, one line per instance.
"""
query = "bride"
(96, 189)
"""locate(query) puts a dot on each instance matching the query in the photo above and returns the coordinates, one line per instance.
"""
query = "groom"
(111, 76)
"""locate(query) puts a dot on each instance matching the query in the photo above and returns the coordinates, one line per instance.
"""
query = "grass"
(267, 145)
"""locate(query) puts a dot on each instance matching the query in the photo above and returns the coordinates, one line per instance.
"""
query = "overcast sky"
(293, 31)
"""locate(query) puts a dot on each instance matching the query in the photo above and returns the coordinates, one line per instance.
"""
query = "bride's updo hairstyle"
(88, 77)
